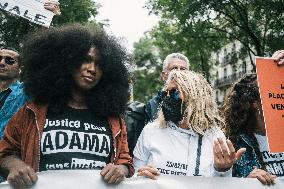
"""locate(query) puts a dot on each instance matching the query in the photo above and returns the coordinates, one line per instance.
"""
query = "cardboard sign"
(32, 10)
(271, 86)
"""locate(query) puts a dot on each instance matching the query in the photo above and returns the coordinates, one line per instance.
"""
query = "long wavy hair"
(201, 112)
(51, 56)
(239, 111)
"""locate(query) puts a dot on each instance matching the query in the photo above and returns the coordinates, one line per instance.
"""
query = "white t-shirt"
(174, 151)
(274, 162)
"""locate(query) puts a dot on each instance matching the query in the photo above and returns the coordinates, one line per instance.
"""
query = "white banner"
(31, 10)
(90, 179)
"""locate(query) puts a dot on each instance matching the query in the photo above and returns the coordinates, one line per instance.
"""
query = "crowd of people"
(67, 112)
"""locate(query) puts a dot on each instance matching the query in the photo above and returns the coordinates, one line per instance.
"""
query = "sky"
(127, 19)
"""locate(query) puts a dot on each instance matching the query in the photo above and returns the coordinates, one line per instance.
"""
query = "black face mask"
(171, 108)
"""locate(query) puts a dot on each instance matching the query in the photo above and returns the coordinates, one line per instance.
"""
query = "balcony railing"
(230, 58)
(229, 79)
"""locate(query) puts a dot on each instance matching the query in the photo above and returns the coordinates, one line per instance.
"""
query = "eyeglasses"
(178, 68)
(174, 94)
(8, 60)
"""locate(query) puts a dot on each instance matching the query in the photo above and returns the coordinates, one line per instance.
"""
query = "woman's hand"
(279, 57)
(263, 176)
(225, 155)
(53, 6)
(114, 174)
(21, 176)
(149, 171)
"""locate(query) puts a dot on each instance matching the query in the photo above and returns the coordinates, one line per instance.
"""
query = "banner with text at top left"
(32, 10)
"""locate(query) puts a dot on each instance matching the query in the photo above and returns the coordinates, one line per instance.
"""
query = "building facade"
(228, 68)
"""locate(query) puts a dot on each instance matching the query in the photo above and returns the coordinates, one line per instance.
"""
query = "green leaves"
(197, 28)
(147, 75)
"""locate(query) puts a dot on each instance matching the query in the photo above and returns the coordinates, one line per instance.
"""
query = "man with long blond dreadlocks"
(188, 140)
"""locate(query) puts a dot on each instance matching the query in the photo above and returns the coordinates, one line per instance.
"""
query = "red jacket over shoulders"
(23, 134)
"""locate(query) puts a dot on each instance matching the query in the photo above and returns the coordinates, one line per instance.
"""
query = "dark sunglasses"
(174, 94)
(8, 60)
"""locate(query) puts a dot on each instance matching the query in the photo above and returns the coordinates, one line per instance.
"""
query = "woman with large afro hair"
(245, 127)
(78, 82)
(49, 58)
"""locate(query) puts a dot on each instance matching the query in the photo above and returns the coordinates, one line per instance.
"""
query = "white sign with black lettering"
(32, 10)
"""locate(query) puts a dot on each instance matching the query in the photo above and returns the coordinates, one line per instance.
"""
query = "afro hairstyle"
(50, 57)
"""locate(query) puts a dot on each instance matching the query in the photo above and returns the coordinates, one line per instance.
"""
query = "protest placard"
(32, 10)
(271, 86)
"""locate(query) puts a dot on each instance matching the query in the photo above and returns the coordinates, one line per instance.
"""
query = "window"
(217, 56)
(234, 47)
(244, 67)
(217, 96)
(234, 69)
(225, 72)
(234, 72)
(226, 57)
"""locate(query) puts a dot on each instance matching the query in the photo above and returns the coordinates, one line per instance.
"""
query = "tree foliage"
(257, 24)
(197, 28)
(197, 42)
(147, 76)
(14, 28)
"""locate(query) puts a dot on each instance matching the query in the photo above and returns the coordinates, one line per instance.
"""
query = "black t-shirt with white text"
(273, 162)
(75, 139)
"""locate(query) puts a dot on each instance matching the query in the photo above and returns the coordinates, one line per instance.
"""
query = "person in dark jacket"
(138, 114)
(135, 122)
(174, 61)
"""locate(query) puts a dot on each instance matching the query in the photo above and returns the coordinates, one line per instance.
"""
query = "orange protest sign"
(271, 87)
